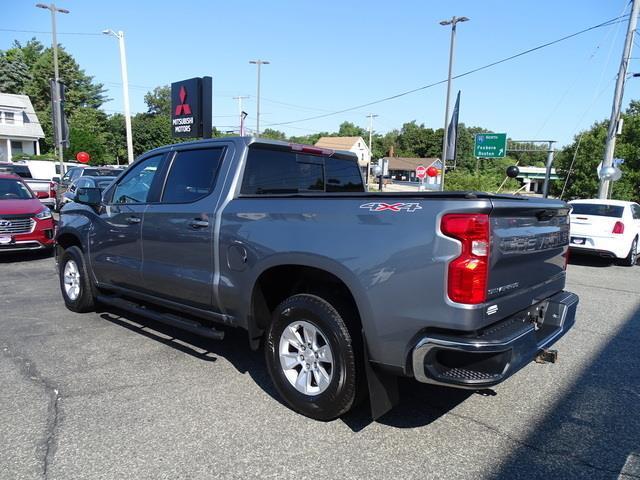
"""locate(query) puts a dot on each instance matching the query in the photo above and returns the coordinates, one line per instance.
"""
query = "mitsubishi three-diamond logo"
(183, 107)
(191, 108)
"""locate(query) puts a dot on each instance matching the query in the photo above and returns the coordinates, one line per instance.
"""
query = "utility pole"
(603, 191)
(125, 90)
(56, 77)
(547, 176)
(259, 63)
(453, 22)
(240, 111)
(371, 116)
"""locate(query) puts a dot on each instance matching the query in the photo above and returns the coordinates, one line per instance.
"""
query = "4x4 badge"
(391, 207)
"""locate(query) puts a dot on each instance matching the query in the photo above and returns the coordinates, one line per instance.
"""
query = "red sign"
(421, 172)
(83, 157)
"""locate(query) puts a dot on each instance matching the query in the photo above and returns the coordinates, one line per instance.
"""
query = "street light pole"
(56, 76)
(603, 191)
(125, 90)
(371, 116)
(453, 22)
(259, 63)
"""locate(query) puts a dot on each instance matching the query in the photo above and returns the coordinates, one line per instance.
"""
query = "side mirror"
(89, 196)
(55, 179)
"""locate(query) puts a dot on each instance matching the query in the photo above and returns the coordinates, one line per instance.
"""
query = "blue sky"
(330, 55)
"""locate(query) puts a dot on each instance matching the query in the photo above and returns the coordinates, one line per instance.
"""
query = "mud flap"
(383, 387)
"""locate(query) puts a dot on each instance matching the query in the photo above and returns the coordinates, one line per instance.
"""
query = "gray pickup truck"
(345, 289)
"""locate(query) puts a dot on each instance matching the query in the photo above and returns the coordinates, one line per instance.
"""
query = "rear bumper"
(602, 246)
(497, 352)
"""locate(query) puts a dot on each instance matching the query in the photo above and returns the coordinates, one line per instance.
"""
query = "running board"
(192, 326)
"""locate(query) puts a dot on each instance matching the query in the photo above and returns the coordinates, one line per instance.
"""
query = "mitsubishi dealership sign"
(191, 105)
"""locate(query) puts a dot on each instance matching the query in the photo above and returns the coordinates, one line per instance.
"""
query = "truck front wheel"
(312, 357)
(75, 282)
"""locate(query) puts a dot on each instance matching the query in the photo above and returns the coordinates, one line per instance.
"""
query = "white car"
(609, 228)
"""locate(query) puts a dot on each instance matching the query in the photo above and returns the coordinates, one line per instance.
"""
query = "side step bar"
(192, 326)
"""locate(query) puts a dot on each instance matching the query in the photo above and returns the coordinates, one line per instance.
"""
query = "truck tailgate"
(528, 253)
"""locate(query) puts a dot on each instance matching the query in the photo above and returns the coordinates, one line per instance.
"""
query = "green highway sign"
(490, 145)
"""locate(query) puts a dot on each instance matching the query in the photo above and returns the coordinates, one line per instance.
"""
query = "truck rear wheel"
(75, 283)
(312, 357)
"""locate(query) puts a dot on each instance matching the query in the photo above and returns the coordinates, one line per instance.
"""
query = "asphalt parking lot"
(111, 396)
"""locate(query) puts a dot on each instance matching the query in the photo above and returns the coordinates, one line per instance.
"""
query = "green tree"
(273, 134)
(87, 133)
(348, 129)
(116, 139)
(159, 100)
(150, 131)
(14, 72)
(81, 90)
(588, 150)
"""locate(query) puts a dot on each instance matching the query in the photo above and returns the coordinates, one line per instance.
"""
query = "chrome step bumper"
(496, 352)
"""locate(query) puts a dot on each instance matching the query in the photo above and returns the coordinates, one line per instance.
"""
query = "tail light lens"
(52, 189)
(467, 276)
(618, 228)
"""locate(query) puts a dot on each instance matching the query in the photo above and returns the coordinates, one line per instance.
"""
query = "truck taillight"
(618, 228)
(52, 189)
(467, 278)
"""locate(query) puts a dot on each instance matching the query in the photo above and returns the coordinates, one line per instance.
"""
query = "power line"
(612, 21)
(579, 73)
(42, 32)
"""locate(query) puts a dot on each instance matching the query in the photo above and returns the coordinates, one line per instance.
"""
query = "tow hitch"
(547, 356)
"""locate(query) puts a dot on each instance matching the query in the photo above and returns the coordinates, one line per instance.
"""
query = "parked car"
(42, 188)
(85, 182)
(608, 228)
(25, 224)
(76, 172)
(345, 289)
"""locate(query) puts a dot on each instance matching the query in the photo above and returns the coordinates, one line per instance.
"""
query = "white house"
(356, 145)
(20, 129)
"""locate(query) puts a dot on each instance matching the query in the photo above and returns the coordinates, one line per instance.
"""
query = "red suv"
(25, 224)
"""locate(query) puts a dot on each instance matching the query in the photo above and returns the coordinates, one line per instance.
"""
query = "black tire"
(84, 301)
(631, 259)
(347, 377)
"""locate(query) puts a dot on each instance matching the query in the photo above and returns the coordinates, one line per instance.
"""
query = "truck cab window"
(277, 172)
(192, 175)
(135, 186)
(343, 175)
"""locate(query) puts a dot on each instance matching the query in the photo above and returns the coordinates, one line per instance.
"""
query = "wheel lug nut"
(307, 365)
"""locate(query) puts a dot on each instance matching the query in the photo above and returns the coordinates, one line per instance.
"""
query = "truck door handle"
(133, 220)
(199, 224)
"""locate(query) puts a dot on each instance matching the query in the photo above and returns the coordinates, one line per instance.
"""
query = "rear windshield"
(20, 170)
(100, 172)
(280, 172)
(13, 190)
(597, 209)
